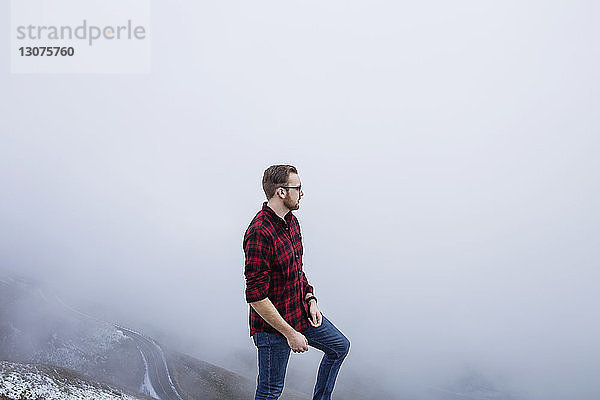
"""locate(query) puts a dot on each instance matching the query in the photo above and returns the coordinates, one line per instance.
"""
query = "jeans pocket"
(268, 339)
(259, 339)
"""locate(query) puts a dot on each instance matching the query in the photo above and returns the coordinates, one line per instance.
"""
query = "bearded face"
(293, 192)
(290, 201)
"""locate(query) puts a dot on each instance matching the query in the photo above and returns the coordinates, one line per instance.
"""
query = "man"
(284, 313)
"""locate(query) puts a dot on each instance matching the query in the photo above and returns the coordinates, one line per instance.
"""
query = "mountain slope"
(199, 380)
(35, 328)
(40, 381)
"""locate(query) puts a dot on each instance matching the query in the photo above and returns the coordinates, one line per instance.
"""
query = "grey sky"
(449, 158)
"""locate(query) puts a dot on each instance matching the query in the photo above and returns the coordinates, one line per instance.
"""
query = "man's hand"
(297, 342)
(315, 318)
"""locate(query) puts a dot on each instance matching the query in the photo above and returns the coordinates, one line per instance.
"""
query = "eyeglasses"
(299, 187)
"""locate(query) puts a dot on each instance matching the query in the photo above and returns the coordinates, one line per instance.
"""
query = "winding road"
(157, 372)
(156, 365)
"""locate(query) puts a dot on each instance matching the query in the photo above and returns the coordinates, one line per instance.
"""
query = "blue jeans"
(274, 352)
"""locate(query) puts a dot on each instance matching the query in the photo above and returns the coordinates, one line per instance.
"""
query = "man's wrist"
(311, 298)
(289, 331)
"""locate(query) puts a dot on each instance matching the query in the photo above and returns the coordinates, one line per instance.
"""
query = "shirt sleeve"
(306, 287)
(258, 250)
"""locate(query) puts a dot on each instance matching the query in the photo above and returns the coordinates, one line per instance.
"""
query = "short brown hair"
(276, 176)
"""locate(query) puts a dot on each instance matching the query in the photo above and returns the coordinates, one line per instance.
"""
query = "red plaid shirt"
(273, 249)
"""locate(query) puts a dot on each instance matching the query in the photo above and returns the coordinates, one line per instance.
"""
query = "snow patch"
(26, 381)
(147, 387)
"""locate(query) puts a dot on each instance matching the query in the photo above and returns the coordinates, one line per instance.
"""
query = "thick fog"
(448, 153)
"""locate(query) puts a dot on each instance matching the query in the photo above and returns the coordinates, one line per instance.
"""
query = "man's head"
(281, 184)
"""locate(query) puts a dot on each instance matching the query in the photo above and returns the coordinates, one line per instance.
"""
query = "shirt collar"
(286, 219)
